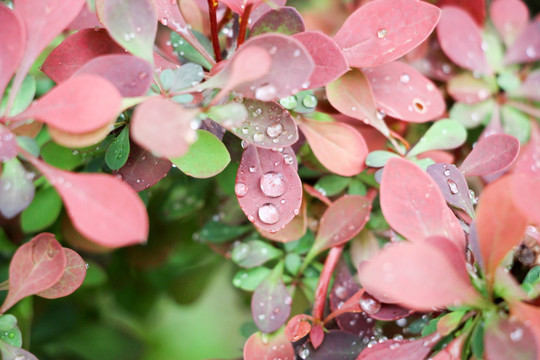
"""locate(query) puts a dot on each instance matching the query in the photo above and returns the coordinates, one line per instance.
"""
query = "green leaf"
(61, 157)
(430, 327)
(477, 341)
(293, 262)
(302, 245)
(29, 144)
(444, 134)
(509, 80)
(188, 52)
(306, 102)
(472, 115)
(378, 158)
(118, 151)
(516, 123)
(251, 278)
(494, 49)
(42, 212)
(184, 198)
(228, 115)
(9, 331)
(23, 99)
(217, 233)
(186, 76)
(356, 187)
(205, 158)
(227, 178)
(254, 253)
(331, 185)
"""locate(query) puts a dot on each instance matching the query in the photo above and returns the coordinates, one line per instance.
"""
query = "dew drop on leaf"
(265, 93)
(382, 33)
(273, 184)
(258, 137)
(404, 78)
(369, 305)
(240, 189)
(310, 101)
(452, 186)
(274, 130)
(269, 214)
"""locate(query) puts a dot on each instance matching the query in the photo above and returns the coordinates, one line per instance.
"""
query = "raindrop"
(262, 317)
(369, 305)
(341, 292)
(274, 130)
(258, 137)
(310, 101)
(404, 78)
(245, 130)
(296, 53)
(446, 172)
(473, 197)
(252, 169)
(265, 93)
(164, 21)
(382, 33)
(273, 184)
(452, 186)
(530, 51)
(273, 50)
(268, 214)
(290, 102)
(304, 352)
(516, 335)
(240, 189)
(19, 357)
(380, 114)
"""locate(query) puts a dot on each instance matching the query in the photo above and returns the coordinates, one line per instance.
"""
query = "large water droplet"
(273, 184)
(310, 101)
(269, 214)
(274, 130)
(369, 305)
(240, 189)
(452, 186)
(382, 33)
(265, 93)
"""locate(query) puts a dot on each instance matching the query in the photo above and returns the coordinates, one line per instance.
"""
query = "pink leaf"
(36, 266)
(506, 339)
(76, 50)
(270, 305)
(529, 315)
(467, 88)
(527, 162)
(80, 105)
(239, 6)
(526, 195)
(169, 15)
(384, 30)
(530, 88)
(404, 93)
(452, 351)
(8, 144)
(461, 40)
(499, 224)
(420, 276)
(316, 336)
(339, 147)
(492, 154)
(341, 221)
(413, 204)
(101, 207)
(142, 169)
(12, 45)
(86, 19)
(298, 327)
(285, 20)
(268, 188)
(268, 347)
(526, 49)
(351, 95)
(510, 17)
(475, 8)
(163, 127)
(131, 75)
(72, 278)
(401, 349)
(294, 230)
(44, 20)
(330, 63)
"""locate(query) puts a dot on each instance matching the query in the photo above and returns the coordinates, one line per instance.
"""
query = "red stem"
(212, 13)
(324, 281)
(244, 20)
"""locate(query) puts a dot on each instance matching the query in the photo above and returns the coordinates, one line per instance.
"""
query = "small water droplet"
(369, 305)
(252, 169)
(530, 51)
(382, 33)
(446, 172)
(273, 50)
(296, 53)
(290, 102)
(304, 352)
(269, 214)
(309, 101)
(274, 130)
(404, 78)
(240, 189)
(258, 137)
(265, 93)
(516, 335)
(143, 75)
(452, 186)
(273, 184)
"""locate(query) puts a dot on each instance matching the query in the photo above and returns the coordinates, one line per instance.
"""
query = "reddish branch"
(324, 281)
(212, 12)
(244, 20)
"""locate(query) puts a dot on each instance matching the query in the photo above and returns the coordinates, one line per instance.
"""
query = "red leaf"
(101, 207)
(330, 63)
(72, 278)
(298, 327)
(404, 93)
(163, 127)
(87, 19)
(452, 351)
(526, 49)
(529, 315)
(239, 6)
(142, 169)
(509, 340)
(339, 147)
(510, 17)
(293, 230)
(461, 40)
(499, 224)
(413, 204)
(492, 154)
(8, 144)
(351, 94)
(526, 196)
(12, 45)
(76, 50)
(421, 276)
(80, 105)
(384, 30)
(316, 336)
(400, 349)
(475, 8)
(36, 266)
(268, 347)
(44, 20)
(268, 188)
(341, 221)
(131, 75)
(270, 305)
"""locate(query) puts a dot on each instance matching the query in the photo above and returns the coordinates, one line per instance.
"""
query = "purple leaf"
(12, 46)
(268, 188)
(131, 75)
(490, 155)
(330, 63)
(453, 186)
(286, 20)
(270, 305)
(510, 17)
(461, 40)
(402, 92)
(391, 312)
(526, 49)
(16, 188)
(384, 30)
(401, 349)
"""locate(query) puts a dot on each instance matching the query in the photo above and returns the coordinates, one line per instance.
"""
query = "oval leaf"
(36, 266)
(205, 158)
(80, 105)
(286, 20)
(444, 134)
(510, 17)
(268, 188)
(268, 347)
(526, 195)
(13, 41)
(270, 305)
(339, 147)
(526, 49)
(384, 30)
(492, 154)
(403, 93)
(163, 127)
(101, 207)
(341, 221)
(72, 278)
(453, 186)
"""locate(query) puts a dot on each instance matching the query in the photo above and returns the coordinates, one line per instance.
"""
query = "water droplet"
(404, 78)
(304, 352)
(382, 33)
(245, 130)
(265, 93)
(240, 252)
(290, 102)
(516, 335)
(310, 101)
(452, 186)
(252, 169)
(296, 53)
(341, 292)
(273, 50)
(268, 214)
(258, 137)
(473, 197)
(240, 189)
(381, 114)
(446, 172)
(530, 51)
(164, 21)
(273, 184)
(19, 357)
(262, 317)
(274, 130)
(369, 305)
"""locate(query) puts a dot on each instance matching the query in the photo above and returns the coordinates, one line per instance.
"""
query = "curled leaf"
(73, 276)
